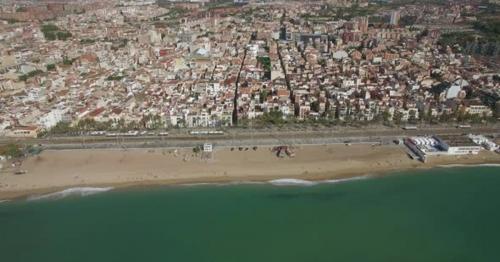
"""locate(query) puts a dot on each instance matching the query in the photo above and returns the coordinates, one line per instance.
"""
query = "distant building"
(458, 145)
(283, 34)
(456, 89)
(363, 24)
(241, 2)
(425, 146)
(24, 132)
(51, 119)
(395, 16)
(475, 107)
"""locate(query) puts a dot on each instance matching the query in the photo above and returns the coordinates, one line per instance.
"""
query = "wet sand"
(56, 170)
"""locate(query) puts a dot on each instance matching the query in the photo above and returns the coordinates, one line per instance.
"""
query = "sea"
(443, 214)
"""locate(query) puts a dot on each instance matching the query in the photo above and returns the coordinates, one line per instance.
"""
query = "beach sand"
(59, 169)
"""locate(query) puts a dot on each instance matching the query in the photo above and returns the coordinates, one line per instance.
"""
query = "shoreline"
(55, 171)
(26, 195)
(273, 181)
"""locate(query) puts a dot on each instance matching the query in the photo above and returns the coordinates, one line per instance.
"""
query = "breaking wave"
(199, 184)
(340, 180)
(292, 182)
(232, 183)
(280, 182)
(302, 182)
(75, 191)
(471, 165)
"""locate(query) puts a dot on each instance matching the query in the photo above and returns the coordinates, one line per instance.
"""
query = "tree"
(274, 117)
(52, 32)
(62, 35)
(120, 124)
(315, 106)
(133, 125)
(322, 62)
(263, 95)
(445, 117)
(67, 61)
(30, 74)
(61, 128)
(87, 124)
(412, 118)
(196, 149)
(397, 118)
(462, 116)
(386, 115)
(11, 150)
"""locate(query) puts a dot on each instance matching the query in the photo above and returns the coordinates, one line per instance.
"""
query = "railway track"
(247, 138)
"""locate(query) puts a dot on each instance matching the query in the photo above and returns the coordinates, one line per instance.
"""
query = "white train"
(129, 133)
(97, 133)
(206, 132)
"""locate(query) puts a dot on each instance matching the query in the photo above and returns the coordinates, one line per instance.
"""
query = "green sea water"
(444, 214)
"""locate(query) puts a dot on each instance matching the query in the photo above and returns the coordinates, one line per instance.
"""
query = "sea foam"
(279, 182)
(470, 165)
(302, 182)
(75, 191)
(232, 183)
(341, 180)
(292, 182)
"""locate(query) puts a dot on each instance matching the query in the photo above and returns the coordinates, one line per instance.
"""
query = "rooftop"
(457, 140)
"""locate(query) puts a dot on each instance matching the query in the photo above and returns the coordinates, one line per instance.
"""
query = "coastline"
(53, 171)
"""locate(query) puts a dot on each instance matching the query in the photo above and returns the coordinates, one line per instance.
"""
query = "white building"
(207, 148)
(458, 145)
(51, 119)
(454, 90)
(425, 146)
(395, 16)
(479, 110)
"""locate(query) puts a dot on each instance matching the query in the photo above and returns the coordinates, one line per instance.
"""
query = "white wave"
(492, 165)
(292, 182)
(333, 181)
(453, 165)
(279, 182)
(244, 183)
(3, 201)
(75, 191)
(301, 182)
(199, 184)
(470, 165)
(232, 183)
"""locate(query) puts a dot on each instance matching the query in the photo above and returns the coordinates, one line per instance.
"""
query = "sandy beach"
(59, 169)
